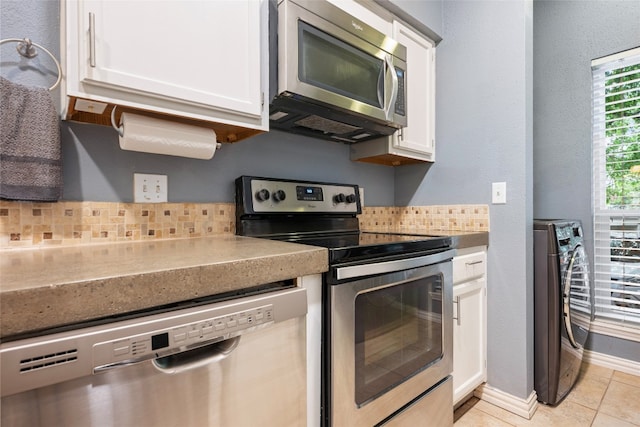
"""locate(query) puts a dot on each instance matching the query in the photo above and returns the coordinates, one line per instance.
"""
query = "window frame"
(615, 321)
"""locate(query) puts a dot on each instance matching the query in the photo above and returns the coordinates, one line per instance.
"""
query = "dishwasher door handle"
(196, 358)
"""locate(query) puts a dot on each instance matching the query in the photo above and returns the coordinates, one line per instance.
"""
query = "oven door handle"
(391, 266)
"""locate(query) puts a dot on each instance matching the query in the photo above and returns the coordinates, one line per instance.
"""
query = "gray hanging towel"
(30, 151)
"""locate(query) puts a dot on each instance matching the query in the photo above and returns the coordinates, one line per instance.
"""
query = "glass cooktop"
(357, 246)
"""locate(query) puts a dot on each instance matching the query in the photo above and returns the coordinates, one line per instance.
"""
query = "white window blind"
(616, 186)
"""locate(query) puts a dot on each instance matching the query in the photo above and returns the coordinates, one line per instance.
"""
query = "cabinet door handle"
(92, 39)
(457, 317)
(473, 263)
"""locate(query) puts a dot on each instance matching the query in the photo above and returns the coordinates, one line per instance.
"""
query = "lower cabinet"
(469, 323)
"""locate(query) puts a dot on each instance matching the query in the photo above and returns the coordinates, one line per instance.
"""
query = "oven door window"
(398, 333)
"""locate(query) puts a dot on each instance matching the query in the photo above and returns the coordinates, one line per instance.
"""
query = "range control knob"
(279, 195)
(339, 198)
(351, 198)
(263, 195)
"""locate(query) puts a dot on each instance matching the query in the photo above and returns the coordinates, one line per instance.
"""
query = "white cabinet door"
(415, 143)
(190, 57)
(418, 137)
(469, 337)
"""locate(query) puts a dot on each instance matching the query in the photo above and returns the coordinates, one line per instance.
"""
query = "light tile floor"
(602, 397)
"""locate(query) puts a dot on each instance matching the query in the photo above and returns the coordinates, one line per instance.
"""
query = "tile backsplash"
(419, 219)
(28, 224)
(73, 223)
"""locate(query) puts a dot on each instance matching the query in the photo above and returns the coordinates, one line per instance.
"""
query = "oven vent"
(48, 360)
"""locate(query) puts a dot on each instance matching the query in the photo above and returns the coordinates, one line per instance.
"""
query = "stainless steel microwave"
(333, 76)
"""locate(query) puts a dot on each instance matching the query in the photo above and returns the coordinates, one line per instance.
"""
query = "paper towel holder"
(120, 129)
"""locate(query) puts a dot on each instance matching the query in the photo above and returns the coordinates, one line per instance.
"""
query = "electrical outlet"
(499, 193)
(148, 188)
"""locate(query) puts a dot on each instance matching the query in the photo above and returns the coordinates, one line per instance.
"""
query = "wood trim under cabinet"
(224, 132)
(389, 160)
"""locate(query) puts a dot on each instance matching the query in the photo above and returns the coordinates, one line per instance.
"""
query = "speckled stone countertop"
(465, 239)
(47, 287)
(459, 239)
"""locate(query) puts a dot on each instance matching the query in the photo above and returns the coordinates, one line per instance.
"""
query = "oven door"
(390, 339)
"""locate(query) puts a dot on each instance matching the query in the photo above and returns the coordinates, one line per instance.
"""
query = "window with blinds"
(616, 186)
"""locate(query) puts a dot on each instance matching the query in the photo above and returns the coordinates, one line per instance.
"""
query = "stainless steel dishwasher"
(234, 363)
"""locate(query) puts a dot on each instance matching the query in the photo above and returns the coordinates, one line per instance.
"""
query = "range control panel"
(266, 195)
(165, 342)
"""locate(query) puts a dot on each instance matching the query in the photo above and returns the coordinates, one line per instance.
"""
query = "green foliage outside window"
(622, 91)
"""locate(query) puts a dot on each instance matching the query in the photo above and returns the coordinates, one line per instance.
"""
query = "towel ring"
(26, 48)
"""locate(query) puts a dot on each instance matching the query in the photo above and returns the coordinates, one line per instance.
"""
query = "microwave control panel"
(400, 107)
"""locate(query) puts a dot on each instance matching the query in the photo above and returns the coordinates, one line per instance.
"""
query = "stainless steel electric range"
(386, 303)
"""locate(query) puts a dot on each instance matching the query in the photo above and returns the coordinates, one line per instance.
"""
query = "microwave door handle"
(394, 88)
(381, 87)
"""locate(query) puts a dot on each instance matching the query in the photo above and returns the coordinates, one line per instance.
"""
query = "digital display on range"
(307, 193)
(160, 341)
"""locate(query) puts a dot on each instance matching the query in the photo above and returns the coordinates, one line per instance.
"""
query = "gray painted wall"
(429, 12)
(424, 15)
(37, 20)
(562, 107)
(96, 169)
(484, 135)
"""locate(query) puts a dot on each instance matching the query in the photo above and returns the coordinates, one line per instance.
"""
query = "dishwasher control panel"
(178, 338)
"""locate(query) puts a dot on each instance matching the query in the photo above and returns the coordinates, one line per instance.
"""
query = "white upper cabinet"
(415, 143)
(417, 139)
(201, 60)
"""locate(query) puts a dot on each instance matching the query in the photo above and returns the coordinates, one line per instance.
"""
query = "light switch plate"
(149, 188)
(499, 193)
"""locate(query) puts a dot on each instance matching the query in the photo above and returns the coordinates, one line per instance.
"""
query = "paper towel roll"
(149, 135)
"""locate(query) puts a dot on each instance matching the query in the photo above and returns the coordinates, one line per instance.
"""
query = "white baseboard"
(527, 407)
(522, 407)
(619, 364)
(615, 329)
